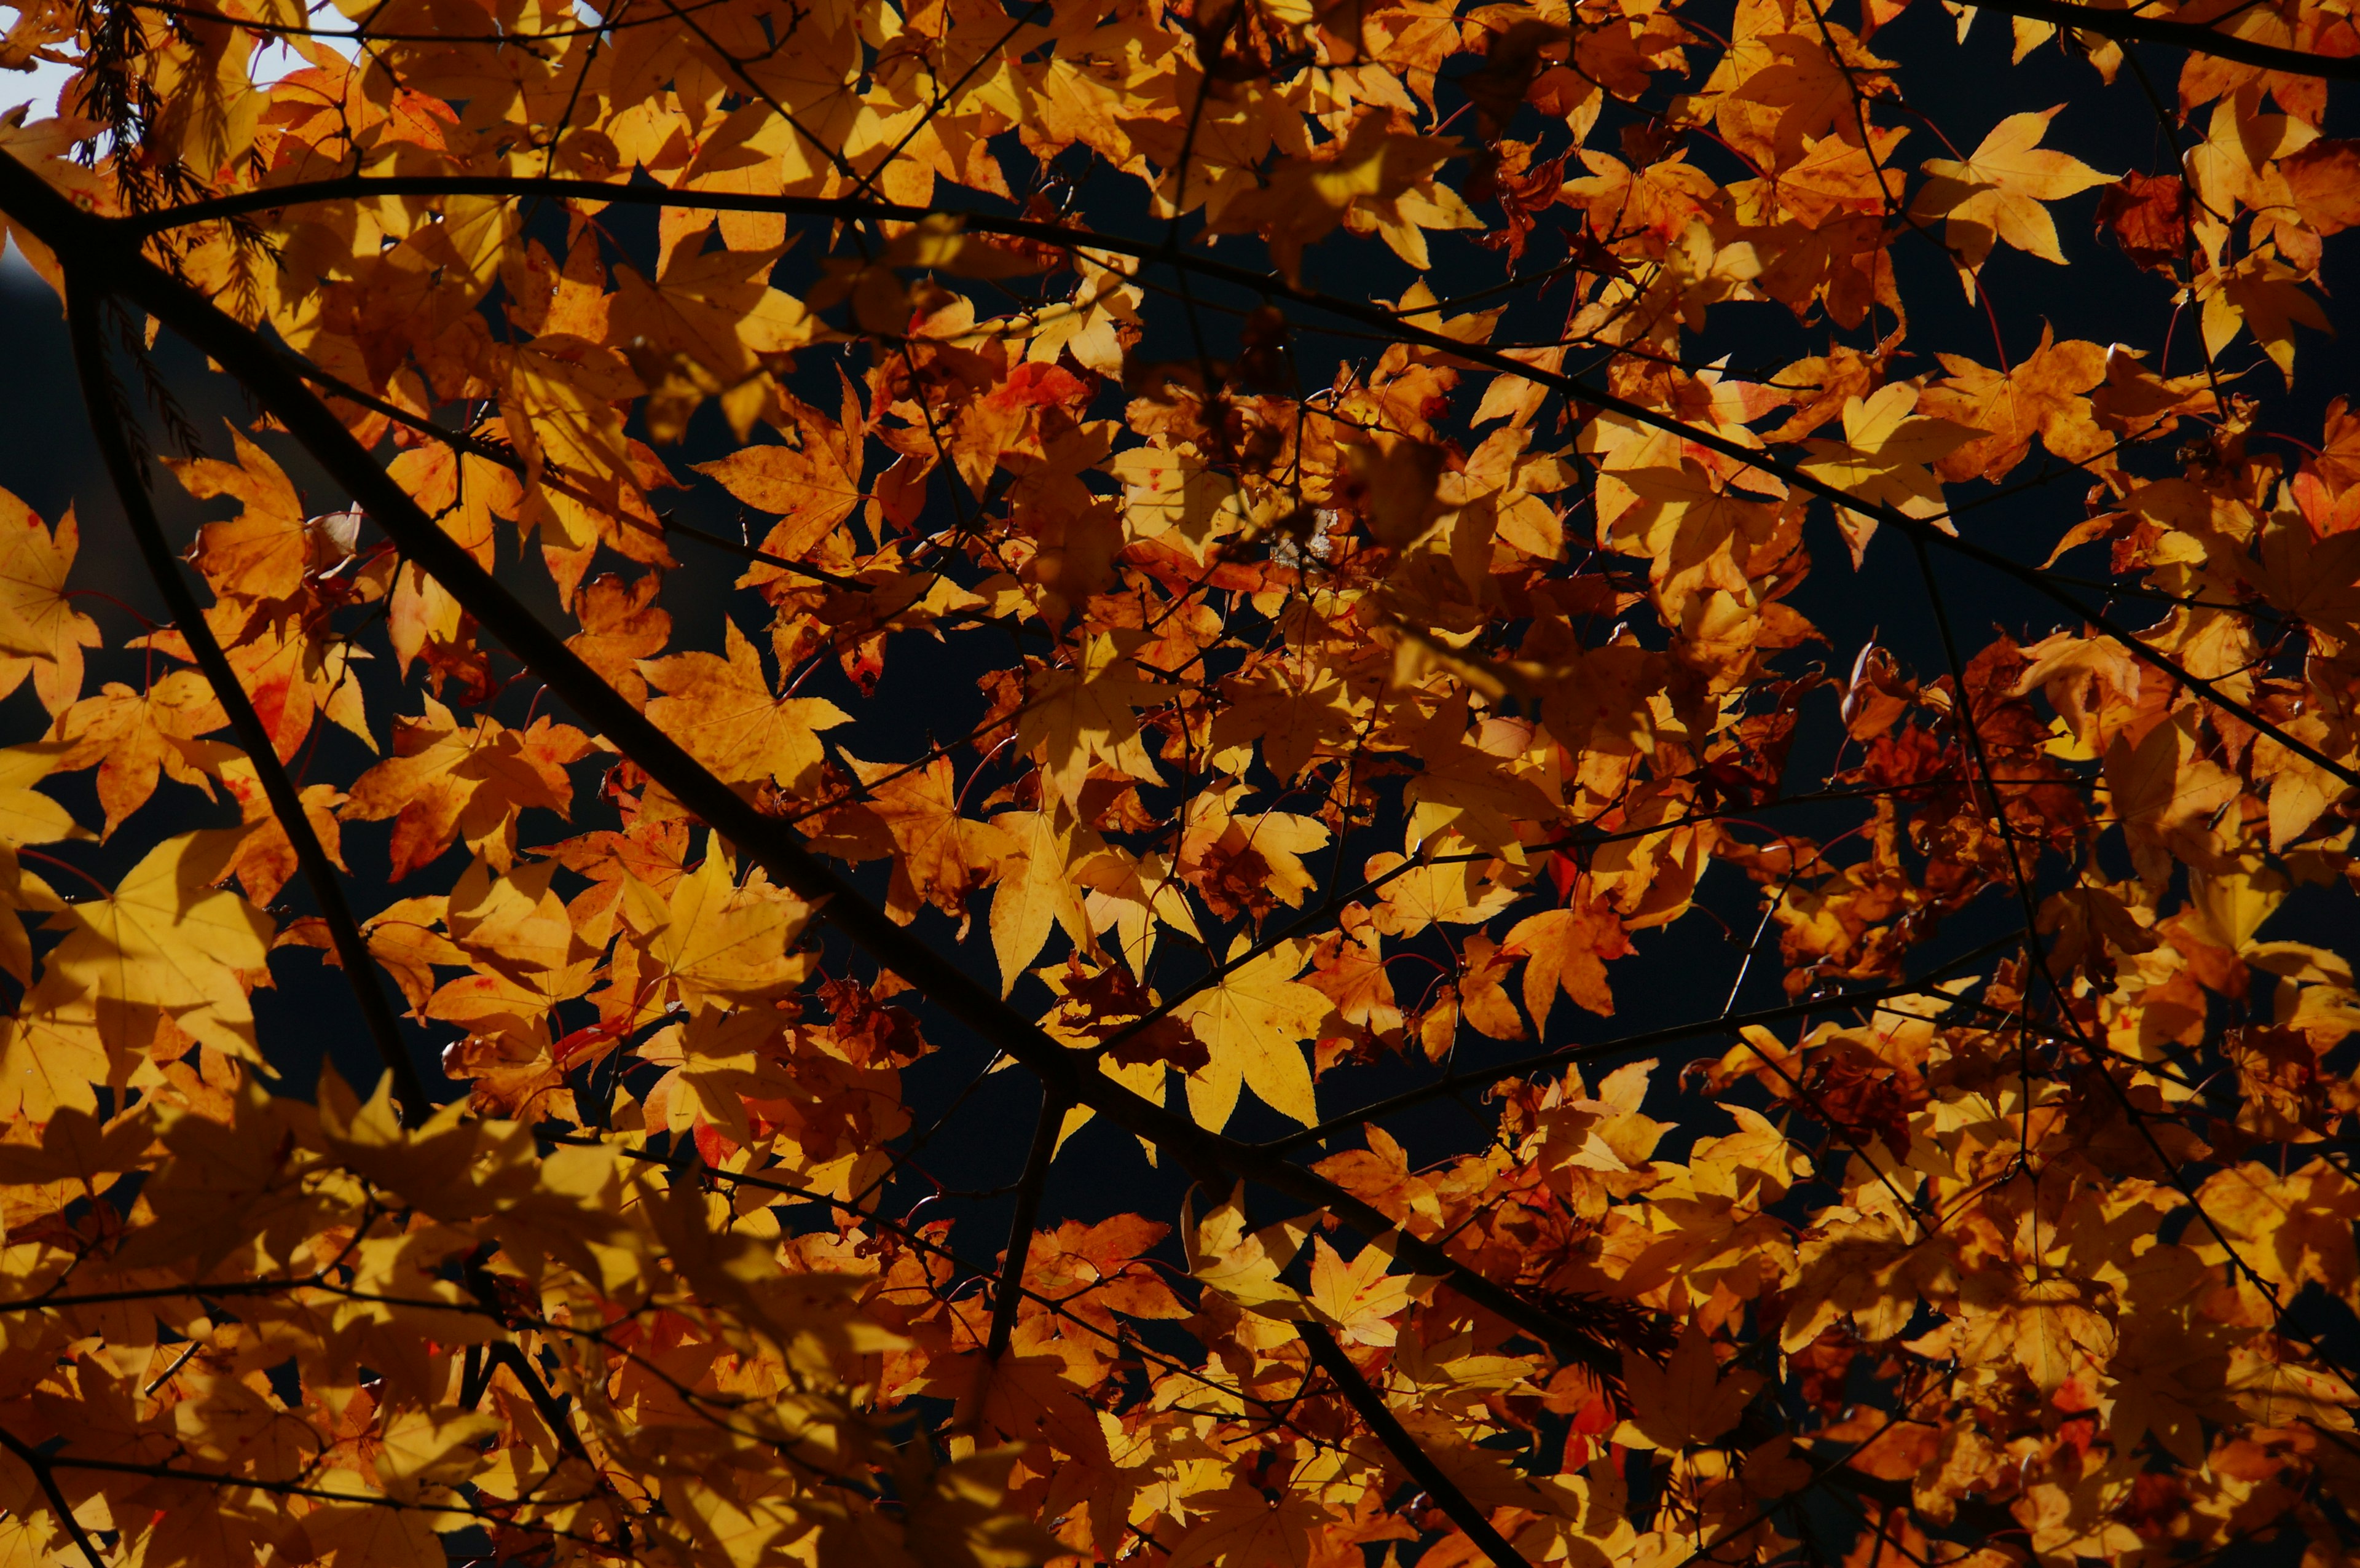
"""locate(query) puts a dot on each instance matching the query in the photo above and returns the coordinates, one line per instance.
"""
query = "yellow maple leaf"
(166, 943)
(721, 708)
(1254, 1021)
(262, 551)
(1569, 948)
(1243, 1265)
(1359, 1300)
(1036, 889)
(27, 816)
(1378, 179)
(1884, 458)
(714, 938)
(715, 306)
(1995, 193)
(2262, 294)
(40, 631)
(939, 856)
(1090, 714)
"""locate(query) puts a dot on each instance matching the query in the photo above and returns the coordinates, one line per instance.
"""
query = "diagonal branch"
(1029, 1188)
(46, 1476)
(318, 871)
(1729, 1023)
(2129, 26)
(1389, 1431)
(97, 246)
(1400, 328)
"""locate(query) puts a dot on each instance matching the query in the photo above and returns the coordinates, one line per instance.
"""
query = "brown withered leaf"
(2147, 215)
(1108, 1005)
(2324, 180)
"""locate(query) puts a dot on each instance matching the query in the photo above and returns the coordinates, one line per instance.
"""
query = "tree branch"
(138, 510)
(2131, 28)
(1388, 1430)
(44, 1475)
(1565, 1055)
(1029, 1187)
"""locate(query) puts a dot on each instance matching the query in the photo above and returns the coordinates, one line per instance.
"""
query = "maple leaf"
(40, 631)
(1359, 1300)
(940, 856)
(1035, 891)
(164, 943)
(1090, 714)
(1105, 1004)
(2147, 215)
(1347, 967)
(1293, 724)
(1884, 457)
(2135, 404)
(1377, 179)
(2040, 396)
(557, 404)
(1245, 862)
(2264, 296)
(446, 780)
(26, 815)
(721, 708)
(1996, 194)
(466, 494)
(48, 1067)
(712, 937)
(621, 626)
(811, 489)
(1243, 1265)
(1568, 950)
(2048, 1327)
(136, 737)
(422, 1447)
(266, 856)
(1245, 1527)
(961, 1516)
(715, 306)
(1253, 1022)
(264, 552)
(1685, 1400)
(2323, 178)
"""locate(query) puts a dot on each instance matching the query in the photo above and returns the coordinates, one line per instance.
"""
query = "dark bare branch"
(1371, 1407)
(2130, 27)
(1029, 1188)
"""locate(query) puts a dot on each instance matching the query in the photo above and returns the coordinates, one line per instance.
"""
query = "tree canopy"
(1254, 782)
